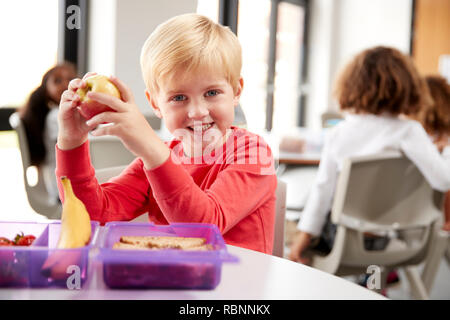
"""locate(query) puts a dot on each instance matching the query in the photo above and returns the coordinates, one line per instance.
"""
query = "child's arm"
(300, 245)
(424, 154)
(123, 200)
(320, 199)
(237, 191)
(318, 205)
(442, 142)
(234, 194)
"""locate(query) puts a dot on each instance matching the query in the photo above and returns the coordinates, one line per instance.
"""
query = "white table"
(257, 276)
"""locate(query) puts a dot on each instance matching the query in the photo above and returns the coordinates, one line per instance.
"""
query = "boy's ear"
(152, 102)
(237, 94)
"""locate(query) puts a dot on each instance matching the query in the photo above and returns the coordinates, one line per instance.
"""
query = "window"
(273, 38)
(209, 8)
(30, 43)
(287, 96)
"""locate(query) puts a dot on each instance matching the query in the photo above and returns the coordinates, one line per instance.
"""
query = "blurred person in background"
(435, 118)
(377, 88)
(39, 117)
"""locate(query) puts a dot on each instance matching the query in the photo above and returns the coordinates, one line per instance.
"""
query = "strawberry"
(23, 240)
(5, 242)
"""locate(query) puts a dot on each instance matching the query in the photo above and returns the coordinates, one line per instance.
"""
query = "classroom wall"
(340, 29)
(431, 48)
(117, 31)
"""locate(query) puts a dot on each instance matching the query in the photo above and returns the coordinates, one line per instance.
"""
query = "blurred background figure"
(436, 120)
(39, 116)
(377, 88)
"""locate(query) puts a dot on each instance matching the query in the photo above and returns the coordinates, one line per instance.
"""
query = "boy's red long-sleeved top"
(233, 189)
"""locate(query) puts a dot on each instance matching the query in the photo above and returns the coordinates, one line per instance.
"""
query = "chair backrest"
(385, 190)
(280, 213)
(109, 151)
(386, 195)
(37, 194)
(104, 174)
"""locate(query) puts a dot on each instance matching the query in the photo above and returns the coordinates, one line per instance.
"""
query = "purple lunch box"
(41, 264)
(165, 268)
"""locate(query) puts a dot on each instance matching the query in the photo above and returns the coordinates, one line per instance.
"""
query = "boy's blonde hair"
(189, 43)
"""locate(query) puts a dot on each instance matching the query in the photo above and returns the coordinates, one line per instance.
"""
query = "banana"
(75, 233)
(75, 221)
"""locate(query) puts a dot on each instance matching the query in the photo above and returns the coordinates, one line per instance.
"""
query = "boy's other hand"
(129, 125)
(73, 130)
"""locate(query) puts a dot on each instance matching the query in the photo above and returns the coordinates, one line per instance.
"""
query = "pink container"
(41, 265)
(168, 268)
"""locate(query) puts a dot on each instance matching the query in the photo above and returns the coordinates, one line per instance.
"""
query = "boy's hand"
(129, 125)
(73, 130)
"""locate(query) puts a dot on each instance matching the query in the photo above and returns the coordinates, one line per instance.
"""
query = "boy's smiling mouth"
(204, 127)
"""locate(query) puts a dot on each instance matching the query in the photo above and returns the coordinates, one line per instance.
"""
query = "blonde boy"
(191, 67)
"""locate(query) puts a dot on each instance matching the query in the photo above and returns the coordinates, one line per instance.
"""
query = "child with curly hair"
(377, 88)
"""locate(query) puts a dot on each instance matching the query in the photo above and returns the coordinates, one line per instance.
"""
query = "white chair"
(280, 214)
(103, 175)
(385, 195)
(37, 194)
(108, 151)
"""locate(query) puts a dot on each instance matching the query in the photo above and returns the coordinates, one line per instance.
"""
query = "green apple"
(96, 83)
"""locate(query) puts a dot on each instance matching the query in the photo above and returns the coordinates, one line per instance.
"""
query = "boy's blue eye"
(212, 93)
(179, 97)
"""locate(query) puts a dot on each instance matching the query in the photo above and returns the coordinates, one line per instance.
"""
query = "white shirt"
(361, 135)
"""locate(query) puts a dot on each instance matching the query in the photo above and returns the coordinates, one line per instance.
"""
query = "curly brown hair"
(436, 117)
(379, 80)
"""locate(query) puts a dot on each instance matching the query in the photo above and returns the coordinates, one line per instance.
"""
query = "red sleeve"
(238, 191)
(122, 198)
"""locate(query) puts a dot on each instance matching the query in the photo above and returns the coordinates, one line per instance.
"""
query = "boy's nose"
(198, 111)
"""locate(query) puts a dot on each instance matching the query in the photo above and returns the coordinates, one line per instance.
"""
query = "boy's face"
(197, 108)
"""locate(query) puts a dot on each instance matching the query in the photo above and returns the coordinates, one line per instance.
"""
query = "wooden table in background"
(301, 159)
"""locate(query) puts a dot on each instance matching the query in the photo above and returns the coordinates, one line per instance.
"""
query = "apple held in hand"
(96, 83)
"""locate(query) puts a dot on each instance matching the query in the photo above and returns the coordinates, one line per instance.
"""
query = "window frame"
(72, 44)
(228, 16)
